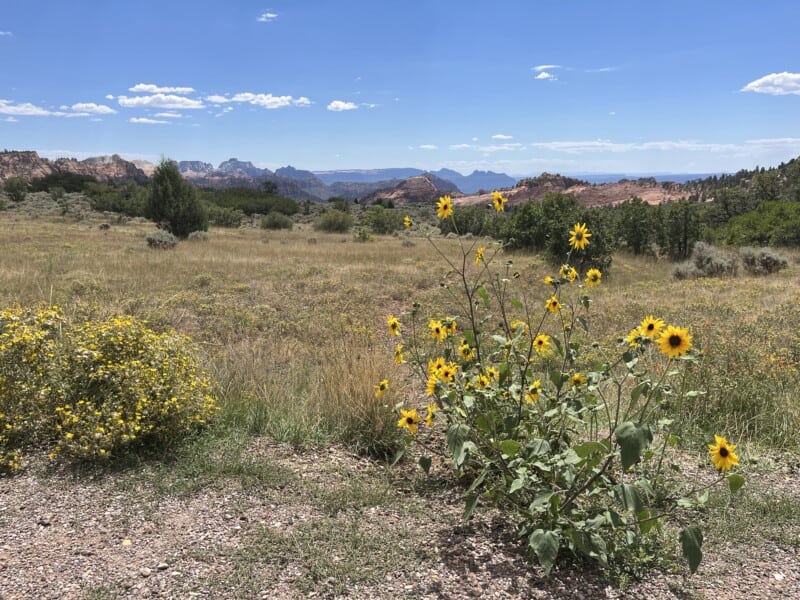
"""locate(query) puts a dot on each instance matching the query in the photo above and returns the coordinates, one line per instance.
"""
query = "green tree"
(681, 229)
(635, 225)
(173, 203)
(16, 188)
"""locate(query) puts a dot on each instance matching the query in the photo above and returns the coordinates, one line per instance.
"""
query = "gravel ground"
(64, 536)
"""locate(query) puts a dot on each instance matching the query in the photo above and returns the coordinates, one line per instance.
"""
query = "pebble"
(145, 572)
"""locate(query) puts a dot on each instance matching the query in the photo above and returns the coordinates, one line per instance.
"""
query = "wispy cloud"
(92, 108)
(159, 101)
(545, 75)
(490, 148)
(150, 88)
(428, 147)
(605, 146)
(25, 109)
(340, 105)
(10, 120)
(502, 136)
(602, 70)
(169, 115)
(267, 101)
(146, 121)
(267, 17)
(776, 84)
(5, 33)
(541, 68)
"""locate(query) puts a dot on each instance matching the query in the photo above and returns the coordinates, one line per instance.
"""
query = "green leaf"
(691, 543)
(646, 523)
(470, 502)
(545, 545)
(516, 303)
(516, 485)
(500, 340)
(539, 447)
(629, 497)
(510, 447)
(735, 482)
(425, 463)
(557, 377)
(633, 439)
(638, 390)
(557, 344)
(584, 323)
(457, 436)
(542, 502)
(483, 295)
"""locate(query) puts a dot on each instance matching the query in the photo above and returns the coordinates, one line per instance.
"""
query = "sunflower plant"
(573, 441)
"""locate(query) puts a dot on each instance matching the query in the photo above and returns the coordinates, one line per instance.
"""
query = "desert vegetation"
(501, 388)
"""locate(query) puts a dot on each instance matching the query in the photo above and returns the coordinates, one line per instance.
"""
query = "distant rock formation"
(29, 165)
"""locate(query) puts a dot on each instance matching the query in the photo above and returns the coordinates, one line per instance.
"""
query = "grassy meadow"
(292, 328)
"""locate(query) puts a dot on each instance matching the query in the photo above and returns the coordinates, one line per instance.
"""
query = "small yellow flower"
(430, 416)
(409, 420)
(651, 327)
(553, 305)
(381, 388)
(722, 454)
(549, 280)
(394, 325)
(572, 274)
(534, 389)
(593, 277)
(466, 352)
(498, 201)
(577, 380)
(438, 330)
(482, 381)
(430, 388)
(450, 326)
(479, 255)
(444, 208)
(435, 364)
(675, 341)
(492, 373)
(633, 338)
(515, 325)
(541, 343)
(398, 354)
(579, 236)
(407, 222)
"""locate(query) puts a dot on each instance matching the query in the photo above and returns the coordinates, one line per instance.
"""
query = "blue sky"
(519, 86)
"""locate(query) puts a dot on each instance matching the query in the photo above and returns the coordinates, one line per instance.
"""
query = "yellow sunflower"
(515, 325)
(675, 341)
(549, 280)
(444, 208)
(430, 388)
(553, 305)
(579, 236)
(593, 277)
(430, 416)
(398, 354)
(577, 380)
(394, 325)
(438, 331)
(466, 352)
(409, 419)
(534, 389)
(651, 327)
(498, 201)
(541, 343)
(492, 373)
(633, 338)
(381, 388)
(479, 255)
(435, 364)
(407, 222)
(722, 454)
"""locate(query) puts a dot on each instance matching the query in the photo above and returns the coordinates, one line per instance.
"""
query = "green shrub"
(223, 216)
(173, 202)
(161, 240)
(92, 390)
(382, 220)
(276, 220)
(16, 189)
(762, 261)
(333, 221)
(713, 262)
(686, 270)
(198, 236)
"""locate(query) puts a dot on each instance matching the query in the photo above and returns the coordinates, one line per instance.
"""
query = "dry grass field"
(278, 499)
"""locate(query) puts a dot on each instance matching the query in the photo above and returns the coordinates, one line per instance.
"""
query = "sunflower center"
(650, 327)
(578, 235)
(723, 452)
(675, 341)
(409, 421)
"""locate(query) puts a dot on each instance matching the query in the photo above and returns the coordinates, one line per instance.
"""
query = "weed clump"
(276, 220)
(161, 240)
(198, 236)
(762, 261)
(707, 261)
(334, 221)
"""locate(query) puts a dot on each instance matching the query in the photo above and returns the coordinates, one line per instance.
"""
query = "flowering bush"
(92, 389)
(572, 440)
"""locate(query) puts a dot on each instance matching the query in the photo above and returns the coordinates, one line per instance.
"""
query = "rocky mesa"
(29, 165)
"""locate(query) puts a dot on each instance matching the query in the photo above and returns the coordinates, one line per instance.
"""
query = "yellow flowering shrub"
(572, 440)
(89, 390)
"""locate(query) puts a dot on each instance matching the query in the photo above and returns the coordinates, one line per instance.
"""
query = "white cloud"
(502, 136)
(109, 96)
(428, 147)
(5, 33)
(267, 101)
(26, 109)
(303, 101)
(605, 146)
(776, 84)
(150, 88)
(216, 99)
(91, 107)
(159, 101)
(267, 17)
(491, 148)
(147, 121)
(541, 68)
(11, 120)
(169, 115)
(460, 146)
(340, 105)
(544, 75)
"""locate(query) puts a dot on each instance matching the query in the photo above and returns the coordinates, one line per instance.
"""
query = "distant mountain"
(29, 165)
(366, 175)
(234, 166)
(195, 166)
(477, 180)
(469, 184)
(417, 189)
